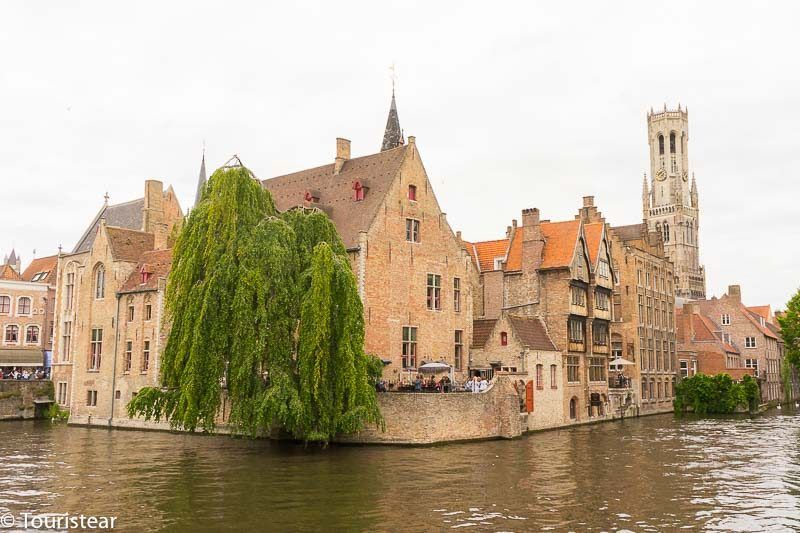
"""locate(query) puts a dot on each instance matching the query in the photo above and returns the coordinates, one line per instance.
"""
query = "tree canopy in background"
(790, 330)
(265, 305)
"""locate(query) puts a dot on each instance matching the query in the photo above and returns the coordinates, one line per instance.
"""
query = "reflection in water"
(650, 474)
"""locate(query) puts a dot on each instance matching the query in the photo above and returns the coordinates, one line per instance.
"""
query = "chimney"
(153, 213)
(532, 241)
(588, 201)
(686, 322)
(589, 213)
(342, 154)
(735, 292)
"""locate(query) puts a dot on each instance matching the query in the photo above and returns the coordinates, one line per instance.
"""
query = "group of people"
(476, 384)
(22, 374)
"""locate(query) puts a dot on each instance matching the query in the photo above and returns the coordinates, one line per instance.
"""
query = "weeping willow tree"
(264, 305)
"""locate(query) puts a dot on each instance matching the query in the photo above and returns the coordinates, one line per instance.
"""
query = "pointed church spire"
(201, 178)
(393, 136)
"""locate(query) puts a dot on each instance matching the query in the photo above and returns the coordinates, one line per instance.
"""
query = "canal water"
(649, 474)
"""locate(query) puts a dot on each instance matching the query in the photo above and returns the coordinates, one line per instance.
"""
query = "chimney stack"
(342, 154)
(532, 241)
(588, 201)
(735, 292)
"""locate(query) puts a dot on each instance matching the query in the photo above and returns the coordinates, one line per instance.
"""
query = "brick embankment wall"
(18, 399)
(427, 418)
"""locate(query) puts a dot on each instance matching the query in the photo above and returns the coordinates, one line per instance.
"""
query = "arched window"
(12, 334)
(665, 229)
(672, 142)
(503, 338)
(24, 306)
(660, 145)
(100, 282)
(573, 408)
(32, 335)
(5, 305)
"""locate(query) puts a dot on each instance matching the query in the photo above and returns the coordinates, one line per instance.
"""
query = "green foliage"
(717, 394)
(266, 305)
(56, 413)
(790, 330)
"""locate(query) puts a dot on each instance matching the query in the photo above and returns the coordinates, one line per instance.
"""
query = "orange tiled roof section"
(763, 311)
(6, 272)
(487, 251)
(752, 316)
(593, 232)
(42, 264)
(559, 247)
(157, 263)
(128, 244)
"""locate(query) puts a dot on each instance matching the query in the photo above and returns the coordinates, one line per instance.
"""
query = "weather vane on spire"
(393, 75)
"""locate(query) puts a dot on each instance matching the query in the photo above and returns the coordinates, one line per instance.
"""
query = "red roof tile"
(156, 263)
(43, 265)
(6, 272)
(128, 244)
(532, 333)
(594, 234)
(481, 329)
(487, 251)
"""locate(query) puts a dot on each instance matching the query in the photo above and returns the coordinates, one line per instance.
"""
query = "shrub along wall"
(717, 394)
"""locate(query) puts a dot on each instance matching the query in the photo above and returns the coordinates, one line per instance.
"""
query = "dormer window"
(412, 192)
(145, 275)
(358, 191)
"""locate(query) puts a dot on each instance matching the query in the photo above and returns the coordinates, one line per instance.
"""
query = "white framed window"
(457, 295)
(684, 366)
(5, 304)
(725, 319)
(602, 268)
(11, 334)
(24, 306)
(61, 394)
(749, 342)
(412, 230)
(32, 335)
(751, 363)
(458, 354)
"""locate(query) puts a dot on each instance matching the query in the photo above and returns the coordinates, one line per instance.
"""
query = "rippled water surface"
(650, 474)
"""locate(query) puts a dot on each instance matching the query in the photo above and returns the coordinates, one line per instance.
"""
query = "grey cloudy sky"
(513, 105)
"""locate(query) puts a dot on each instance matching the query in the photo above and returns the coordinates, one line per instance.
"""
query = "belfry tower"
(670, 204)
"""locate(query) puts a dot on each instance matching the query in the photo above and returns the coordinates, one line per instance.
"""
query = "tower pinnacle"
(201, 178)
(393, 136)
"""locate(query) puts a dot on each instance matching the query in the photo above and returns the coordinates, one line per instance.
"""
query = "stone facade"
(643, 330)
(747, 331)
(24, 399)
(90, 311)
(420, 418)
(670, 205)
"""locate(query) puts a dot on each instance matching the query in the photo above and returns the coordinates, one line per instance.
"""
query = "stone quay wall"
(19, 399)
(428, 418)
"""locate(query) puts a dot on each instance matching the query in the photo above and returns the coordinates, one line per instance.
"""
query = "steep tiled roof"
(6, 272)
(487, 251)
(127, 244)
(155, 262)
(532, 333)
(560, 239)
(593, 232)
(630, 232)
(127, 215)
(375, 171)
(754, 318)
(43, 268)
(481, 329)
(703, 329)
(763, 311)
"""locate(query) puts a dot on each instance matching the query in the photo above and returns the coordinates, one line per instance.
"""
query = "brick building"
(520, 346)
(643, 330)
(746, 330)
(90, 306)
(546, 270)
(27, 300)
(414, 274)
(704, 348)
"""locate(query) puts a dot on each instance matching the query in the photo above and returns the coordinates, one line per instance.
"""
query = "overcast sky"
(513, 107)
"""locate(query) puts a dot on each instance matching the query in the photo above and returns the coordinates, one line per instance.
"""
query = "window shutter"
(529, 396)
